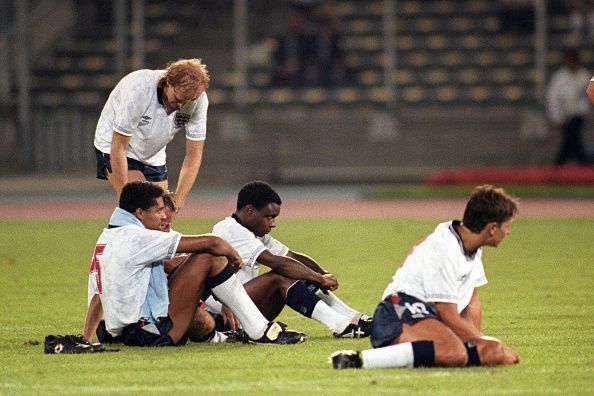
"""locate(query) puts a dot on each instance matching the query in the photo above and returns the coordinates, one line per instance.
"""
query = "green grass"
(539, 301)
(421, 191)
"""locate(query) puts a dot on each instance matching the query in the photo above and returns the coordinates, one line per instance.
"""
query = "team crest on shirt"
(181, 119)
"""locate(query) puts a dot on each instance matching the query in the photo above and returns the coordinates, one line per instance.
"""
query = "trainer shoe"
(70, 344)
(236, 336)
(346, 359)
(356, 329)
(277, 333)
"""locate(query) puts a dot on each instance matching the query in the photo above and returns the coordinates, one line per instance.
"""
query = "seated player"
(295, 279)
(431, 313)
(202, 328)
(139, 303)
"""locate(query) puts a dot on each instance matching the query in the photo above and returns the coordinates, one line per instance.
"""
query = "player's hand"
(510, 356)
(328, 283)
(229, 318)
(236, 261)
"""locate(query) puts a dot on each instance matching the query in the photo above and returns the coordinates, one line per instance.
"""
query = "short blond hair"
(188, 76)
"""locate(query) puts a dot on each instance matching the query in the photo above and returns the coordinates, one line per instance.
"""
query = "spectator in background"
(567, 107)
(294, 56)
(329, 60)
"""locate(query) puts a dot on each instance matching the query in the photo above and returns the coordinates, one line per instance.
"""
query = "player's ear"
(491, 227)
(139, 213)
(250, 210)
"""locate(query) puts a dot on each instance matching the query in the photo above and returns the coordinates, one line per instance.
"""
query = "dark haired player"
(144, 307)
(431, 313)
(295, 279)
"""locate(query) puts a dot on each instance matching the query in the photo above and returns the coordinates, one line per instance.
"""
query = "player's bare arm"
(210, 244)
(448, 314)
(294, 269)
(119, 163)
(472, 313)
(307, 261)
(189, 170)
(172, 264)
(94, 315)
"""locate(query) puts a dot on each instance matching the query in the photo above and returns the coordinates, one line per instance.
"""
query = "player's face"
(264, 220)
(153, 217)
(499, 232)
(174, 100)
(169, 216)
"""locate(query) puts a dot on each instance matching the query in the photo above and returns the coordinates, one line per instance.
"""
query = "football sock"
(408, 354)
(302, 300)
(472, 351)
(230, 291)
(336, 304)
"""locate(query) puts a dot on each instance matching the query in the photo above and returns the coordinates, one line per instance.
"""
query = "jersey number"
(96, 266)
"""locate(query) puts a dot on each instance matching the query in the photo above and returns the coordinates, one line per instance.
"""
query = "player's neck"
(470, 240)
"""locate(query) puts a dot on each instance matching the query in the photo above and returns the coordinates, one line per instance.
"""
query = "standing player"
(431, 313)
(139, 303)
(142, 115)
(296, 280)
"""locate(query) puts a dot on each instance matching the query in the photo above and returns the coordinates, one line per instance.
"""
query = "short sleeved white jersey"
(247, 245)
(439, 270)
(135, 108)
(121, 269)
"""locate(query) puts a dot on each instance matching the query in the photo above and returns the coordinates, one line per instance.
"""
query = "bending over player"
(296, 280)
(139, 304)
(431, 313)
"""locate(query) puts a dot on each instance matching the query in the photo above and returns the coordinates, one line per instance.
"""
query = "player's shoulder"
(143, 79)
(228, 226)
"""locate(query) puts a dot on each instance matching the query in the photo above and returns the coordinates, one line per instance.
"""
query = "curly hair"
(488, 204)
(188, 76)
(258, 194)
(139, 194)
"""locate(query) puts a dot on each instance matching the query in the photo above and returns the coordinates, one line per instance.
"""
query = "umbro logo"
(144, 120)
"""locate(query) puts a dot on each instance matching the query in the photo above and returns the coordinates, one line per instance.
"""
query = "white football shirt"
(437, 269)
(247, 245)
(121, 269)
(133, 109)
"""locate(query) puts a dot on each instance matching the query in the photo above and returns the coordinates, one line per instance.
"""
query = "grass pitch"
(538, 300)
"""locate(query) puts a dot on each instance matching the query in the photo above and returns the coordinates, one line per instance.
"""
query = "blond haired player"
(143, 113)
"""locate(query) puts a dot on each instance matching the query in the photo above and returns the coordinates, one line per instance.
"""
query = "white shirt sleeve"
(130, 100)
(151, 246)
(276, 247)
(196, 126)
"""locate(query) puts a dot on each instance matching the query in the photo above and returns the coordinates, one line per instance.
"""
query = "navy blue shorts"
(145, 334)
(151, 173)
(392, 312)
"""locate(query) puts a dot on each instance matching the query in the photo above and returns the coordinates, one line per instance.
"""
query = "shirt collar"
(454, 231)
(121, 217)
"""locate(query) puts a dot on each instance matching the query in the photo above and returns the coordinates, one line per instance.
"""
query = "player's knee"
(451, 354)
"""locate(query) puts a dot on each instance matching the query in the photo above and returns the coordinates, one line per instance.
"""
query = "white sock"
(399, 355)
(233, 295)
(336, 303)
(326, 315)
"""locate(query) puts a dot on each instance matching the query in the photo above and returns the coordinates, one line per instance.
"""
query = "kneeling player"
(431, 314)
